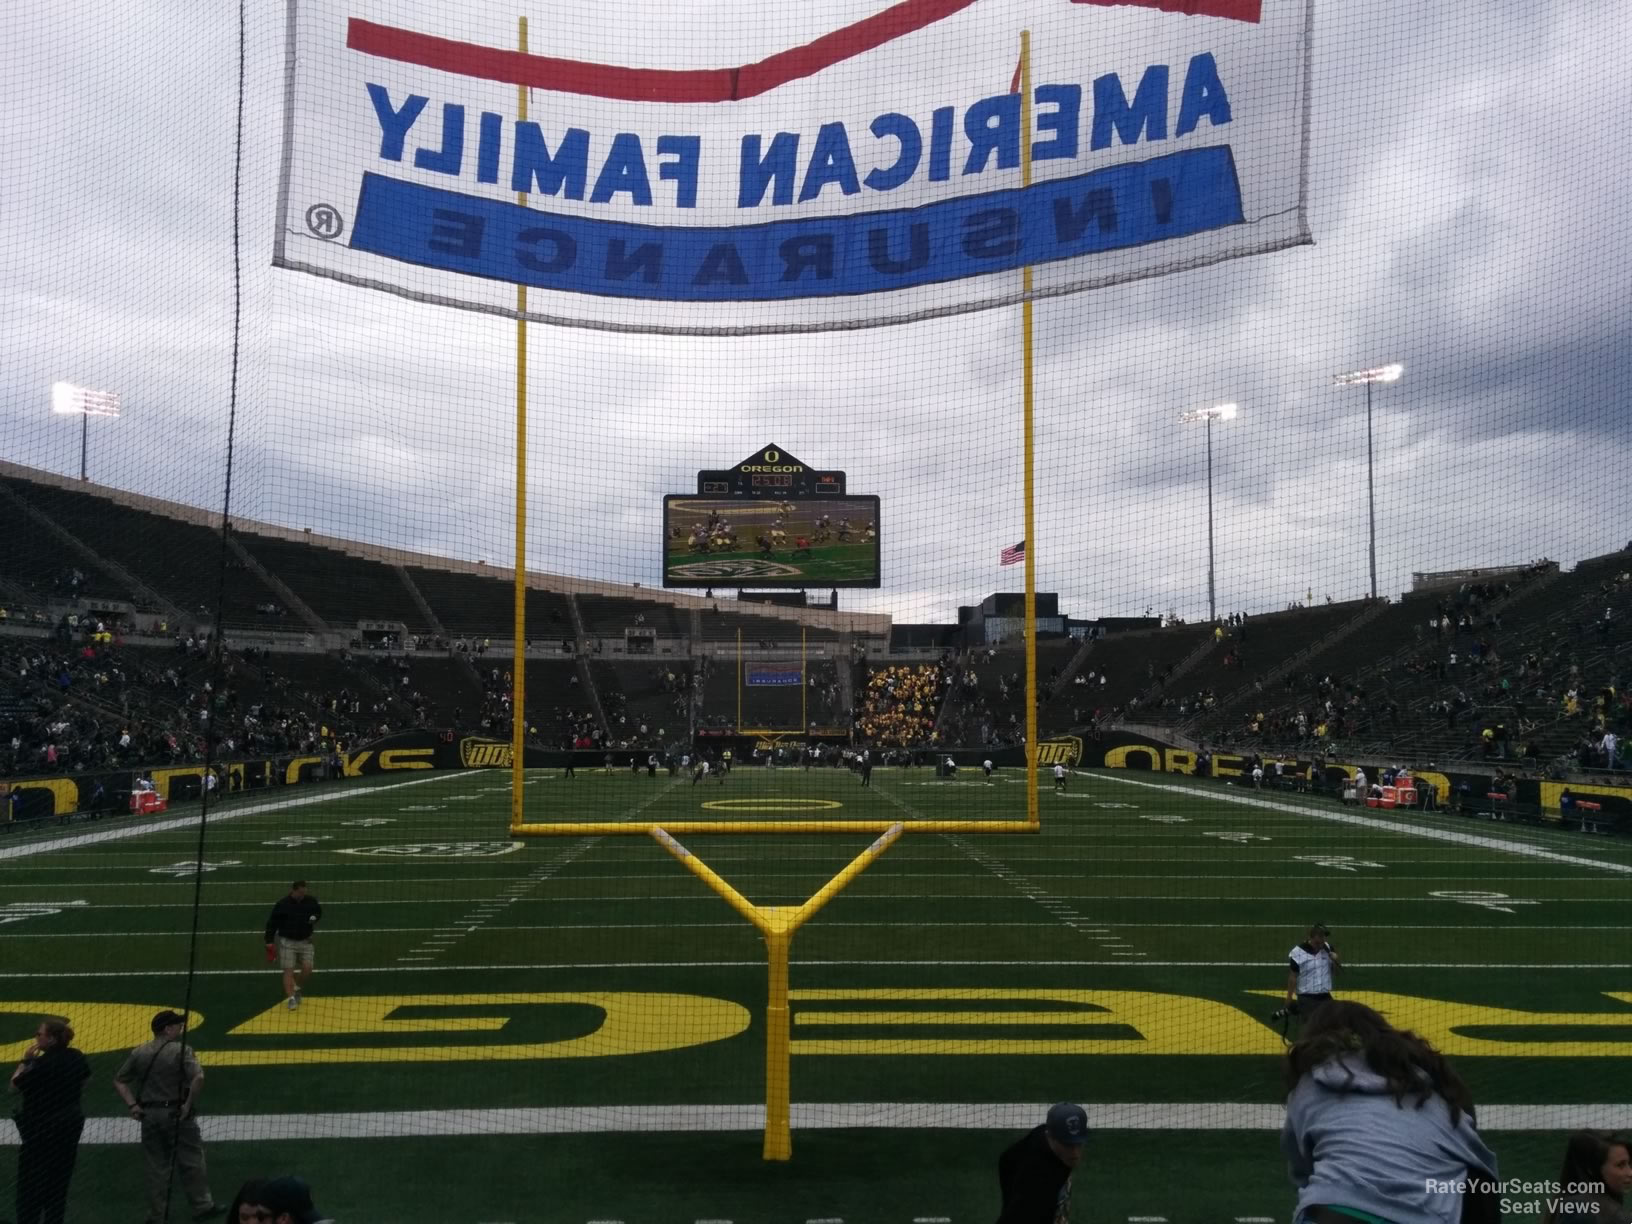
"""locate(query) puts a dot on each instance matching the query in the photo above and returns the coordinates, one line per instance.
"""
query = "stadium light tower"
(69, 399)
(1220, 412)
(1383, 374)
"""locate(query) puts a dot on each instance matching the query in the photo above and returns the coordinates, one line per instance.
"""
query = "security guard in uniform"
(159, 1083)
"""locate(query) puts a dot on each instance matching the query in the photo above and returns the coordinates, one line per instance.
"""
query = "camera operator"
(1310, 967)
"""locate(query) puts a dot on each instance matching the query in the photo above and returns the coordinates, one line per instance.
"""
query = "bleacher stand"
(900, 703)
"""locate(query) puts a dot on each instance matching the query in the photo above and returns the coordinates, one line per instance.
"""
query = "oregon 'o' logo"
(772, 805)
(773, 456)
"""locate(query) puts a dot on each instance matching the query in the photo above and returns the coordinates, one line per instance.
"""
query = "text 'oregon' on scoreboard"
(770, 521)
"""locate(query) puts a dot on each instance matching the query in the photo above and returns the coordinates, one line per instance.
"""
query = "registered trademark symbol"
(325, 221)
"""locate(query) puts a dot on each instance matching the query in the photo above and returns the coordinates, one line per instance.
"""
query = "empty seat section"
(341, 588)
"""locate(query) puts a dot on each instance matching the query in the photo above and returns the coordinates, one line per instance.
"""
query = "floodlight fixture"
(1218, 412)
(70, 400)
(1364, 378)
(67, 398)
(1387, 373)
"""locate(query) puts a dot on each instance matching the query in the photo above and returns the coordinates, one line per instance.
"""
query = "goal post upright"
(518, 668)
(777, 923)
(1027, 401)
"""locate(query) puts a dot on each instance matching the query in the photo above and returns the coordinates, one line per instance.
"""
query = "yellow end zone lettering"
(1164, 1023)
(635, 1022)
(632, 1023)
(1441, 1024)
(99, 1028)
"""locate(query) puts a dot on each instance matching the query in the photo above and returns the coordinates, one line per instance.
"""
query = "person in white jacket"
(1379, 1128)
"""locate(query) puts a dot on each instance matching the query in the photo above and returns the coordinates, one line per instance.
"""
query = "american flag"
(1013, 555)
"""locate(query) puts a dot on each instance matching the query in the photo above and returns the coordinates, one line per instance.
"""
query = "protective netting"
(824, 835)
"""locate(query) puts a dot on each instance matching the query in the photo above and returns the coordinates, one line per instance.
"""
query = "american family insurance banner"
(746, 166)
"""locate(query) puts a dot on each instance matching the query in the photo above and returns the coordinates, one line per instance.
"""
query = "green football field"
(820, 563)
(571, 1029)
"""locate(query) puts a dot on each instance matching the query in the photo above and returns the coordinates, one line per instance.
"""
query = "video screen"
(761, 542)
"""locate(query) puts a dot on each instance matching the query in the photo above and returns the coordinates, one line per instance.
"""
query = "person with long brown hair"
(51, 1079)
(1379, 1128)
(1595, 1181)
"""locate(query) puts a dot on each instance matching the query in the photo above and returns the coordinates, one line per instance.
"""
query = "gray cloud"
(1464, 183)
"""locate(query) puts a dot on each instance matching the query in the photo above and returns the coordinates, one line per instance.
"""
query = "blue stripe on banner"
(1121, 206)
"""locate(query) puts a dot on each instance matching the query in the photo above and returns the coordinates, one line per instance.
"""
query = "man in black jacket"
(289, 938)
(1035, 1173)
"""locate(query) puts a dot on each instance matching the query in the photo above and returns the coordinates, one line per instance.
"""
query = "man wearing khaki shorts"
(289, 938)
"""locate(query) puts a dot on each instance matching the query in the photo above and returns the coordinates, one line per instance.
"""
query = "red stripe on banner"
(703, 84)
(870, 32)
(540, 71)
(649, 84)
(1234, 10)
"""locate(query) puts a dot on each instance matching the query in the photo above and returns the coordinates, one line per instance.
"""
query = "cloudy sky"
(1465, 189)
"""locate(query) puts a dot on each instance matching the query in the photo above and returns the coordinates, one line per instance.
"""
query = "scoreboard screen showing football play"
(770, 521)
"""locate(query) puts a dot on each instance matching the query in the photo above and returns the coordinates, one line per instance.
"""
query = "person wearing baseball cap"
(159, 1083)
(282, 1200)
(1035, 1172)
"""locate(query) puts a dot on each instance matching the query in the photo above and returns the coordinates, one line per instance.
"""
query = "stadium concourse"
(105, 653)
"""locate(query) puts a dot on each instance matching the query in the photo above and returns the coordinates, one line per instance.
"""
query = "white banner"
(831, 164)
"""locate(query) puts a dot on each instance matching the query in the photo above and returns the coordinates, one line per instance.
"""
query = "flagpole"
(1029, 388)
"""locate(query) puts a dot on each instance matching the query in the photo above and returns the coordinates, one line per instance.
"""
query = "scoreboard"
(770, 521)
(770, 472)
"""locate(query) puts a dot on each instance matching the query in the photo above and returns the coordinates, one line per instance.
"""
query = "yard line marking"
(931, 1220)
(1059, 910)
(482, 913)
(191, 822)
(1254, 1220)
(872, 1115)
(1147, 1220)
(546, 927)
(1384, 826)
(171, 972)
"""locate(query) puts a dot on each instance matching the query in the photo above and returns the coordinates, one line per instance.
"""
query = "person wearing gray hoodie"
(1379, 1129)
